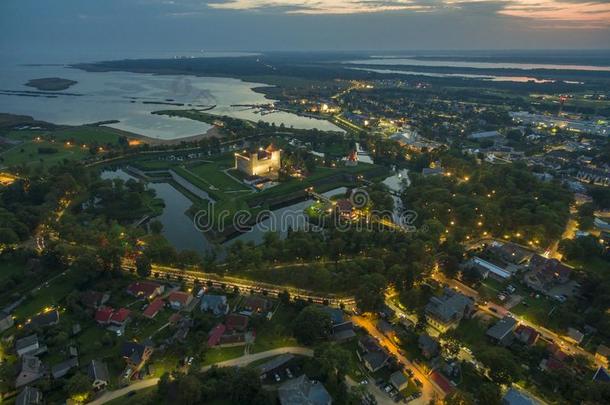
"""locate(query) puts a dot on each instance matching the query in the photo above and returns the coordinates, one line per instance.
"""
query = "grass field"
(277, 332)
(79, 139)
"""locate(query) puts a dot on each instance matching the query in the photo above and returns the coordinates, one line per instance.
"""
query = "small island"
(50, 83)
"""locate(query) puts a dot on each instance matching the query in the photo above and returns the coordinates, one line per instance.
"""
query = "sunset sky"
(84, 26)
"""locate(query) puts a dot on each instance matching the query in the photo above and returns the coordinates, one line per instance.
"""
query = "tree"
(143, 266)
(503, 368)
(311, 325)
(370, 295)
(78, 386)
(489, 394)
(189, 390)
(155, 227)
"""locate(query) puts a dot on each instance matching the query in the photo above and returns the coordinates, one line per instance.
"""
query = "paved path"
(239, 361)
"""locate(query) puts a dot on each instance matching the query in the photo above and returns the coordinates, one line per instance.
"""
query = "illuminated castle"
(262, 162)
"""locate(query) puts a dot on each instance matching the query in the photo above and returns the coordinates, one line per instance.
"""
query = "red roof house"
(103, 314)
(442, 382)
(179, 299)
(526, 334)
(120, 317)
(145, 289)
(153, 308)
(216, 334)
(236, 322)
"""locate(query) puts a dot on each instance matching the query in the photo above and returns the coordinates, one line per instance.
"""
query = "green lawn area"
(355, 369)
(471, 332)
(49, 294)
(83, 134)
(213, 174)
(218, 354)
(277, 332)
(28, 153)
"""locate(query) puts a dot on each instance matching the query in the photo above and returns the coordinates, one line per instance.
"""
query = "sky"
(91, 27)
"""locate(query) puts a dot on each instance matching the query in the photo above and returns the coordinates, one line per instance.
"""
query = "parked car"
(417, 382)
(277, 377)
(289, 373)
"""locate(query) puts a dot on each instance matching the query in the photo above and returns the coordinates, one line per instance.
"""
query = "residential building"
(94, 299)
(153, 308)
(575, 335)
(145, 289)
(399, 380)
(61, 369)
(602, 354)
(446, 312)
(342, 331)
(257, 304)
(31, 370)
(429, 347)
(261, 162)
(303, 391)
(216, 304)
(42, 320)
(601, 375)
(179, 300)
(29, 396)
(236, 322)
(120, 317)
(371, 354)
(98, 373)
(502, 331)
(103, 314)
(27, 345)
(484, 135)
(544, 274)
(527, 335)
(486, 269)
(135, 354)
(6, 321)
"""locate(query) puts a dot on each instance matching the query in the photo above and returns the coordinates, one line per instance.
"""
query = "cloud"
(587, 14)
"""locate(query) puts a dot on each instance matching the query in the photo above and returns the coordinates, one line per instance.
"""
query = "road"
(429, 390)
(166, 272)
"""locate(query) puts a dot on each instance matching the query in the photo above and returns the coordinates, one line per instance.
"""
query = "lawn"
(277, 332)
(212, 173)
(28, 153)
(218, 354)
(84, 134)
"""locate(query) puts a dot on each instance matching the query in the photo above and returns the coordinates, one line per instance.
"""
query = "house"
(601, 375)
(120, 317)
(545, 274)
(94, 299)
(6, 321)
(371, 354)
(179, 299)
(61, 369)
(527, 335)
(428, 346)
(216, 304)
(145, 289)
(135, 354)
(384, 327)
(502, 331)
(442, 382)
(345, 208)
(484, 135)
(215, 335)
(274, 364)
(399, 380)
(342, 332)
(303, 391)
(256, 304)
(516, 397)
(236, 322)
(47, 318)
(336, 314)
(103, 314)
(487, 269)
(98, 373)
(31, 370)
(555, 360)
(602, 354)
(29, 396)
(27, 345)
(446, 312)
(575, 335)
(153, 308)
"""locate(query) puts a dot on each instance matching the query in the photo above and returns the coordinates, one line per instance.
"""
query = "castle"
(262, 162)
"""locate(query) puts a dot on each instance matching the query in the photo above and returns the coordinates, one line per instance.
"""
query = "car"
(131, 393)
(364, 382)
(387, 388)
(417, 382)
(277, 377)
(417, 394)
(190, 361)
(289, 373)
(494, 310)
